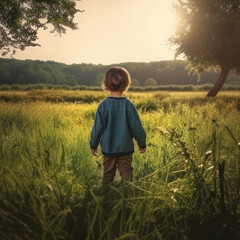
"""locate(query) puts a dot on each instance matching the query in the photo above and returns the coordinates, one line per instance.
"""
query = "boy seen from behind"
(116, 123)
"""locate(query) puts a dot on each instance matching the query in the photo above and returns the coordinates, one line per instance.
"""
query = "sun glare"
(167, 18)
(112, 32)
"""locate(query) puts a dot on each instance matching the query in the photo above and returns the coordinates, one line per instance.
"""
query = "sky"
(111, 31)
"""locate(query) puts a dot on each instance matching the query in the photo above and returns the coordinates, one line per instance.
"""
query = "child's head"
(116, 79)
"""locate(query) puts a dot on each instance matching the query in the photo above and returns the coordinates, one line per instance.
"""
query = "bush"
(171, 87)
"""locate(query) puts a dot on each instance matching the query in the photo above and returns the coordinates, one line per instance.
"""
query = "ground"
(186, 185)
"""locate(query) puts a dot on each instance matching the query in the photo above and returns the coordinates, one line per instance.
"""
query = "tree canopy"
(14, 71)
(20, 21)
(208, 35)
(150, 82)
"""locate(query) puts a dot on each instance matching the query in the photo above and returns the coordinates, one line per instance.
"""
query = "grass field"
(186, 185)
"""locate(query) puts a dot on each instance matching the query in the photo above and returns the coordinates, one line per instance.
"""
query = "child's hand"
(94, 152)
(142, 150)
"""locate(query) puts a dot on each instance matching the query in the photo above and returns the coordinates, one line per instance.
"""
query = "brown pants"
(124, 165)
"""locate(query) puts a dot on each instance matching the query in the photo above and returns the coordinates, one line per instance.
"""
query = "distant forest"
(14, 71)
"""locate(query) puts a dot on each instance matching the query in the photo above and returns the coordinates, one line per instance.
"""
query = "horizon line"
(167, 60)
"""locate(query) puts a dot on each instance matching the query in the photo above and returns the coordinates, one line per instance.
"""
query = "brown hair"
(116, 79)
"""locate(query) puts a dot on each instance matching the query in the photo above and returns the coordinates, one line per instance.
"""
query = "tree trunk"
(218, 85)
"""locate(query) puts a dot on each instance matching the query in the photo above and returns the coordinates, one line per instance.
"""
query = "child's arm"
(96, 132)
(137, 129)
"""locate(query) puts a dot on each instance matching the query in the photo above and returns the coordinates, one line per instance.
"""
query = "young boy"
(116, 124)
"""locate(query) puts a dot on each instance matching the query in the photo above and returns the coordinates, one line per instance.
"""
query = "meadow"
(186, 185)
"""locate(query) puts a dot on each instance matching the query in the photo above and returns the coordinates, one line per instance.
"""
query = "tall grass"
(186, 185)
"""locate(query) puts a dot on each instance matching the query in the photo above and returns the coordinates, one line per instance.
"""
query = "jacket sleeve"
(136, 127)
(97, 130)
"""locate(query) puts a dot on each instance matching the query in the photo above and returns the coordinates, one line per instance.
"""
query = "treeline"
(14, 71)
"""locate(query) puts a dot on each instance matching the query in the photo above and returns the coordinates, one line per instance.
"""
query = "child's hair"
(116, 79)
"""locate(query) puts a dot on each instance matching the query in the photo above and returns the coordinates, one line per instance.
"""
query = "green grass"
(186, 185)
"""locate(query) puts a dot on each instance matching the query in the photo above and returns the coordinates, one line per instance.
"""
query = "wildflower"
(50, 187)
(210, 168)
(172, 197)
(208, 153)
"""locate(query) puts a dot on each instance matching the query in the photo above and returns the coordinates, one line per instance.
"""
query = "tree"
(209, 35)
(20, 21)
(99, 79)
(4, 75)
(150, 82)
(134, 82)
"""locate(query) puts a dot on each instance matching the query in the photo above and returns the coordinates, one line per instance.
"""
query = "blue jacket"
(116, 124)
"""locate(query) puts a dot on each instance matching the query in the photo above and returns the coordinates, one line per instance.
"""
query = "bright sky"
(111, 31)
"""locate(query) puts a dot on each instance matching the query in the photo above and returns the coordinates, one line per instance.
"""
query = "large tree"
(20, 21)
(208, 34)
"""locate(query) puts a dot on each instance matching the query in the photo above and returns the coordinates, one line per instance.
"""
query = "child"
(116, 124)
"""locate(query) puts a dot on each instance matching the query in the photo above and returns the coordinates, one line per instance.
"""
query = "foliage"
(29, 92)
(164, 72)
(150, 82)
(21, 20)
(208, 35)
(99, 79)
(134, 82)
(186, 185)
